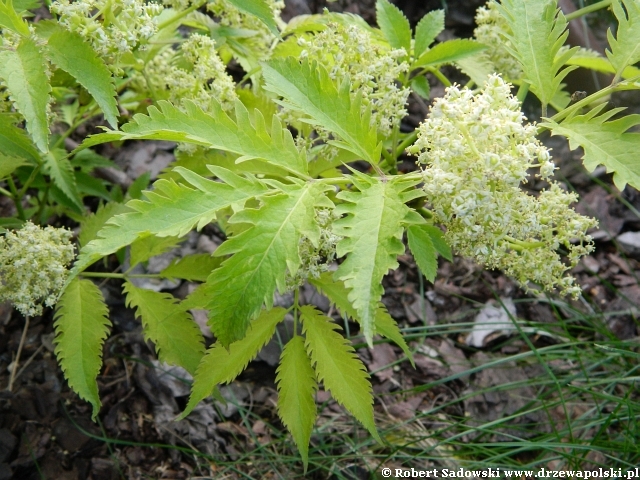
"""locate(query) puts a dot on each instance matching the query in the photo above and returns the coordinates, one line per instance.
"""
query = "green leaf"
(58, 167)
(259, 9)
(222, 365)
(423, 251)
(23, 71)
(448, 52)
(149, 246)
(81, 325)
(72, 54)
(605, 142)
(625, 46)
(296, 394)
(338, 367)
(251, 141)
(309, 89)
(421, 86)
(173, 331)
(477, 67)
(592, 61)
(170, 210)
(338, 295)
(427, 30)
(538, 31)
(262, 254)
(372, 238)
(195, 268)
(94, 222)
(394, 25)
(8, 164)
(10, 19)
(15, 142)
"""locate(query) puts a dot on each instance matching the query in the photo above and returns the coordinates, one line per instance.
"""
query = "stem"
(440, 76)
(296, 307)
(409, 139)
(180, 15)
(123, 276)
(588, 9)
(544, 110)
(522, 91)
(17, 198)
(32, 177)
(14, 370)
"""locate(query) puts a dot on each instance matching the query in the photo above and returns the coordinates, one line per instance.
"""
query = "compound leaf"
(309, 89)
(394, 25)
(73, 55)
(427, 30)
(259, 9)
(222, 365)
(173, 331)
(372, 238)
(338, 367)
(296, 394)
(94, 222)
(170, 210)
(448, 52)
(625, 46)
(538, 31)
(24, 74)
(605, 142)
(338, 295)
(262, 254)
(58, 167)
(215, 130)
(81, 325)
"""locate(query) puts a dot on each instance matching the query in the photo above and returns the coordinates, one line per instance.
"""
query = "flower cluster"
(491, 31)
(112, 27)
(316, 260)
(350, 51)
(204, 78)
(477, 151)
(33, 265)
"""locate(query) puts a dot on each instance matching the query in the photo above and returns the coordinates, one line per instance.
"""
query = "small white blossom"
(476, 150)
(33, 263)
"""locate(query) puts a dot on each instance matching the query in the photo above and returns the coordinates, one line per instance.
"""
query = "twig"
(15, 365)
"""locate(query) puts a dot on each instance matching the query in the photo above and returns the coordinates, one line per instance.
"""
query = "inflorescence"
(476, 151)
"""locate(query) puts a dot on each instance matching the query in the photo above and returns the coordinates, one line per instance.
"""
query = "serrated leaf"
(14, 141)
(600, 64)
(538, 31)
(448, 52)
(438, 241)
(477, 67)
(222, 365)
(165, 322)
(10, 19)
(58, 167)
(72, 54)
(215, 130)
(338, 367)
(372, 238)
(338, 295)
(309, 89)
(195, 268)
(423, 251)
(81, 326)
(625, 46)
(24, 73)
(259, 9)
(262, 254)
(8, 164)
(149, 246)
(427, 30)
(296, 394)
(421, 86)
(394, 25)
(170, 210)
(605, 143)
(94, 222)
(24, 5)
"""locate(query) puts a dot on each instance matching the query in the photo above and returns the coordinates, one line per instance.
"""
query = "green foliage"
(81, 326)
(10, 19)
(394, 25)
(427, 30)
(538, 31)
(625, 46)
(425, 242)
(605, 142)
(338, 367)
(448, 52)
(296, 394)
(260, 9)
(173, 331)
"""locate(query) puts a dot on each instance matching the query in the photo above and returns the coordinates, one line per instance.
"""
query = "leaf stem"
(440, 76)
(588, 9)
(522, 91)
(296, 307)
(17, 198)
(17, 360)
(408, 140)
(180, 15)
